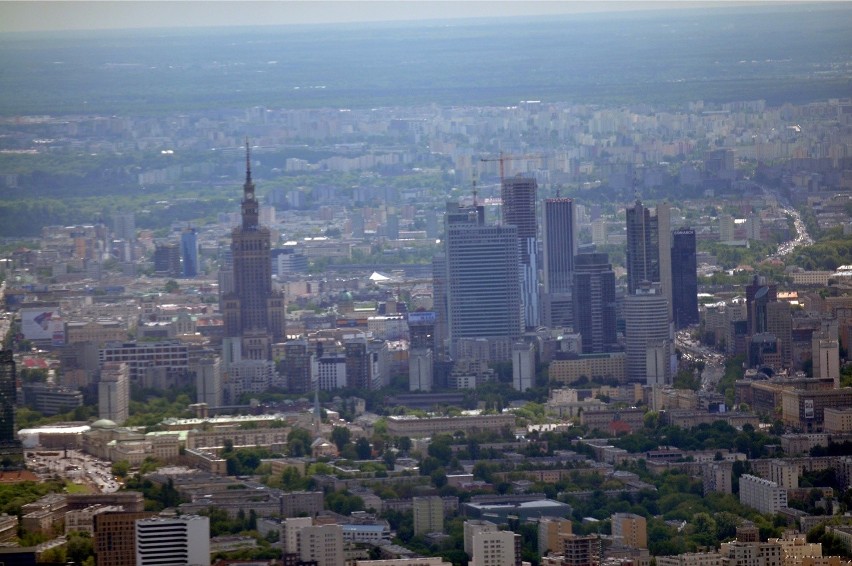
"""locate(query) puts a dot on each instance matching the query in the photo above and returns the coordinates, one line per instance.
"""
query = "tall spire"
(250, 205)
(317, 412)
(249, 183)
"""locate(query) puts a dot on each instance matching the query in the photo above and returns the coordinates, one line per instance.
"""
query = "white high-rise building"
(420, 369)
(183, 541)
(290, 528)
(496, 548)
(323, 544)
(648, 336)
(208, 381)
(114, 392)
(764, 495)
(328, 372)
(475, 527)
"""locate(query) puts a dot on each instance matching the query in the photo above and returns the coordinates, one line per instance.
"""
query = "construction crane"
(503, 158)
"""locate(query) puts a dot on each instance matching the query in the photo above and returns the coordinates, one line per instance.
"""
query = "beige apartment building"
(417, 427)
(630, 529)
(611, 365)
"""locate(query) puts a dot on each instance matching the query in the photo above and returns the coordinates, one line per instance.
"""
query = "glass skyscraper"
(189, 252)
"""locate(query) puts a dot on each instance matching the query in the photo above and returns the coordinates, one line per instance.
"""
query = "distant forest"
(781, 53)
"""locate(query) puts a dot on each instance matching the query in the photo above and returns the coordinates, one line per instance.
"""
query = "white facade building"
(114, 392)
(764, 495)
(181, 540)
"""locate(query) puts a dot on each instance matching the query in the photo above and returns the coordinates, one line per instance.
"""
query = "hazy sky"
(24, 15)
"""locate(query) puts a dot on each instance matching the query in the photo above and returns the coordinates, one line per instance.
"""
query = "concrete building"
(328, 372)
(297, 366)
(794, 549)
(804, 410)
(114, 392)
(523, 366)
(178, 540)
(420, 369)
(551, 531)
(837, 421)
(826, 356)
(420, 561)
(523, 510)
(717, 477)
(693, 559)
(98, 332)
(208, 381)
(114, 538)
(171, 355)
(474, 527)
(411, 426)
(784, 473)
(483, 288)
(648, 336)
(630, 529)
(764, 495)
(322, 544)
(581, 550)
(495, 548)
(299, 503)
(290, 528)
(609, 365)
(751, 553)
(428, 515)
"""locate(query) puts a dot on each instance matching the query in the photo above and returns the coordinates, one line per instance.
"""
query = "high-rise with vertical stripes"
(483, 289)
(560, 247)
(519, 197)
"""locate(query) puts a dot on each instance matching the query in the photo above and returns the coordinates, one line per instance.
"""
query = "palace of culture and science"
(254, 312)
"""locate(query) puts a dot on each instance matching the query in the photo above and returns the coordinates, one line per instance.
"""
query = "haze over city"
(426, 284)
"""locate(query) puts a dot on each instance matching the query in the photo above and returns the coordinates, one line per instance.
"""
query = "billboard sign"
(36, 322)
(809, 408)
(421, 318)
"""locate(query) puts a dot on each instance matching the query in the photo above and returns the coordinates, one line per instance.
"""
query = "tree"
(441, 450)
(389, 458)
(298, 442)
(404, 444)
(340, 436)
(79, 547)
(363, 449)
(171, 286)
(121, 468)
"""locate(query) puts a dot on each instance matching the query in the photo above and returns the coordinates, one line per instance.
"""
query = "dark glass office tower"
(684, 278)
(594, 302)
(643, 247)
(11, 450)
(519, 196)
(559, 250)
